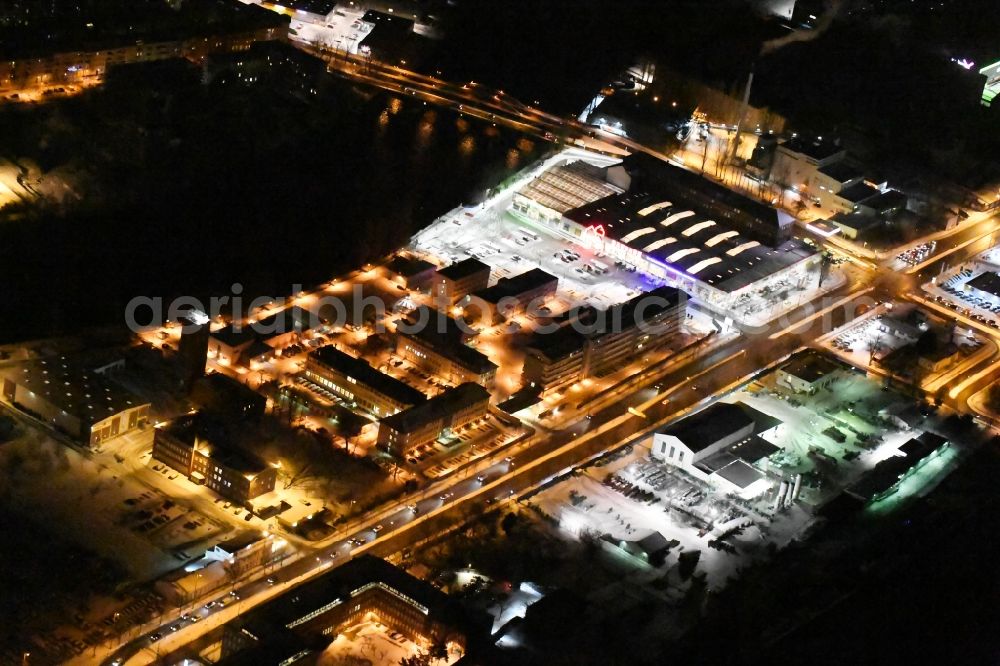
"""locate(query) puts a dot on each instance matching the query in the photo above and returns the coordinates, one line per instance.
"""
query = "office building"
(599, 342)
(410, 272)
(434, 419)
(436, 343)
(206, 451)
(512, 296)
(227, 398)
(555, 360)
(797, 161)
(243, 343)
(86, 58)
(455, 282)
(640, 325)
(276, 64)
(358, 383)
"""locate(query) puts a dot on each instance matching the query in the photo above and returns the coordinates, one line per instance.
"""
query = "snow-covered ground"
(632, 496)
(372, 643)
(491, 233)
(110, 513)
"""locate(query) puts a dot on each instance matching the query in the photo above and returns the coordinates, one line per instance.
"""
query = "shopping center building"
(733, 254)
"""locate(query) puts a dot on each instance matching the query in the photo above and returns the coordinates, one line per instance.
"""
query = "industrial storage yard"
(818, 446)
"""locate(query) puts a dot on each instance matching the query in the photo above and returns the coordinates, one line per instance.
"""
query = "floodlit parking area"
(475, 441)
(371, 642)
(823, 443)
(969, 288)
(118, 514)
(869, 340)
(630, 499)
(511, 247)
(831, 437)
(342, 29)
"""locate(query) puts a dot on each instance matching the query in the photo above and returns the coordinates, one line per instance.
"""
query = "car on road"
(155, 637)
(377, 528)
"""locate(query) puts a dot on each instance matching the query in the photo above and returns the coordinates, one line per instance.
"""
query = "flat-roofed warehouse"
(81, 401)
(988, 283)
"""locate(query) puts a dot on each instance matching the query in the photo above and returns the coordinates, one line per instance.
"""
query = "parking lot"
(511, 247)
(953, 292)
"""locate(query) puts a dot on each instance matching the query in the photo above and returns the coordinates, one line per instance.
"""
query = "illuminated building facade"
(511, 296)
(454, 282)
(446, 358)
(300, 623)
(708, 259)
(201, 449)
(425, 423)
(355, 381)
(731, 253)
(595, 343)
